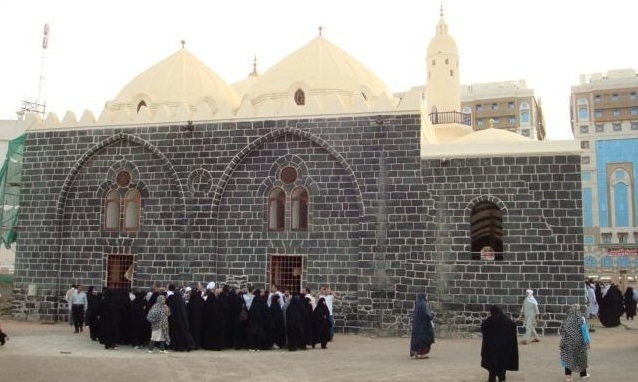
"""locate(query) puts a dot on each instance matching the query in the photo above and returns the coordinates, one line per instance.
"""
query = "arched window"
(300, 97)
(583, 110)
(112, 211)
(141, 104)
(132, 210)
(486, 226)
(524, 113)
(277, 210)
(299, 199)
(620, 185)
(591, 262)
(607, 262)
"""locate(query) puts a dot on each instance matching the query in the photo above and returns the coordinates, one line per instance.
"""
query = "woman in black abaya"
(278, 328)
(257, 334)
(611, 307)
(140, 327)
(195, 312)
(422, 329)
(110, 318)
(499, 351)
(295, 324)
(321, 324)
(181, 339)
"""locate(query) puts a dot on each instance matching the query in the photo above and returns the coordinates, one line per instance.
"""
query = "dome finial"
(441, 9)
(320, 30)
(254, 72)
(183, 43)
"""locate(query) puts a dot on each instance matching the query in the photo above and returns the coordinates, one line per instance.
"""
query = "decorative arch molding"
(485, 198)
(271, 136)
(70, 178)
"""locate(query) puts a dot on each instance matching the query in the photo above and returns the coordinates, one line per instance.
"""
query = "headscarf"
(605, 289)
(158, 317)
(211, 285)
(573, 349)
(530, 297)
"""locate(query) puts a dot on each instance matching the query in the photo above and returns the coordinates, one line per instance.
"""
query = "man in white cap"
(530, 314)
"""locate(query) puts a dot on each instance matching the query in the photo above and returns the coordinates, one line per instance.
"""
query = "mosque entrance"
(287, 272)
(119, 271)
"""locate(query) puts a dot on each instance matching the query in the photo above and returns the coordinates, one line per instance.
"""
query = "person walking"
(499, 350)
(158, 317)
(630, 303)
(530, 314)
(574, 343)
(79, 304)
(422, 336)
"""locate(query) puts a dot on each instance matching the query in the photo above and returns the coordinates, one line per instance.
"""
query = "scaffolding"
(10, 180)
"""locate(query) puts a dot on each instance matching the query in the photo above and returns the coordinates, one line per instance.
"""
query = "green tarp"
(10, 176)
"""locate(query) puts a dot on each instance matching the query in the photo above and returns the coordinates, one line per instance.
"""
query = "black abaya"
(181, 339)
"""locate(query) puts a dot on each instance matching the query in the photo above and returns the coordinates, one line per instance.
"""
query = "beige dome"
(321, 70)
(179, 79)
(492, 135)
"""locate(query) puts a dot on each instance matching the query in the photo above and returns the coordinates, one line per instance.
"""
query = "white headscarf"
(210, 285)
(530, 297)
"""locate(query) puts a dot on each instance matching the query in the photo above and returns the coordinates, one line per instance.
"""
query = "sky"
(96, 47)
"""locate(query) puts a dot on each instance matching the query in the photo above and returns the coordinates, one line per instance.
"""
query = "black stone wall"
(384, 224)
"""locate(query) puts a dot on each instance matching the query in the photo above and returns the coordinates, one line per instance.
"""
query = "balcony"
(443, 117)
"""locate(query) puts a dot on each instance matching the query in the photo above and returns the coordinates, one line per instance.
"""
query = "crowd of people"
(608, 303)
(499, 348)
(210, 318)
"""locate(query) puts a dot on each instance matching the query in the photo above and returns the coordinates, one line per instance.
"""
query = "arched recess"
(86, 157)
(271, 136)
(486, 215)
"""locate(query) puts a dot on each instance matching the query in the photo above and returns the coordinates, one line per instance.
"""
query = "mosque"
(311, 173)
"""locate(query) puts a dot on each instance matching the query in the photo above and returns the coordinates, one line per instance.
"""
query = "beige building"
(604, 113)
(507, 105)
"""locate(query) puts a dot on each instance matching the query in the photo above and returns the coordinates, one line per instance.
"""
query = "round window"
(288, 174)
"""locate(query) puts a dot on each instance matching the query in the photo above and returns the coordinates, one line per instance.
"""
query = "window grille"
(119, 271)
(286, 272)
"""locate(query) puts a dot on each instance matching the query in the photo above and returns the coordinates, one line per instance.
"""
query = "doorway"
(119, 271)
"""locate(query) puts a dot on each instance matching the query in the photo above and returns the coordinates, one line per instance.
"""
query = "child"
(3, 337)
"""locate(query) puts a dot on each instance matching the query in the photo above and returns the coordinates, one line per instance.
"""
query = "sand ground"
(52, 352)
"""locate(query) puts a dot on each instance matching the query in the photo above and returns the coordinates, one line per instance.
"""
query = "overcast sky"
(96, 47)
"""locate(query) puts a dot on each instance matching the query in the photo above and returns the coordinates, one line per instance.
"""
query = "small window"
(141, 105)
(634, 125)
(598, 114)
(494, 106)
(525, 132)
(614, 97)
(132, 203)
(479, 107)
(479, 123)
(598, 98)
(584, 129)
(112, 211)
(447, 61)
(585, 160)
(606, 238)
(496, 121)
(299, 209)
(616, 113)
(451, 72)
(510, 105)
(511, 120)
(622, 237)
(633, 111)
(584, 144)
(617, 126)
(600, 128)
(300, 97)
(486, 230)
(633, 96)
(277, 210)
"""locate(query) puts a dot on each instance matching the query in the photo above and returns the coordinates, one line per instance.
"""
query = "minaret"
(443, 86)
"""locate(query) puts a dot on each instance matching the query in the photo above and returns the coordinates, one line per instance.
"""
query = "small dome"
(442, 42)
(492, 135)
(319, 68)
(179, 79)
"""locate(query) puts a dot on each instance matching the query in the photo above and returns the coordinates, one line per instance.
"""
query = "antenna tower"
(39, 106)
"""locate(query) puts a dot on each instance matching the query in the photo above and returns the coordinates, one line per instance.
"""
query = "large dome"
(180, 79)
(324, 73)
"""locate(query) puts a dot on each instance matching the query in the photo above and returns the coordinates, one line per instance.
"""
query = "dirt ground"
(51, 352)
